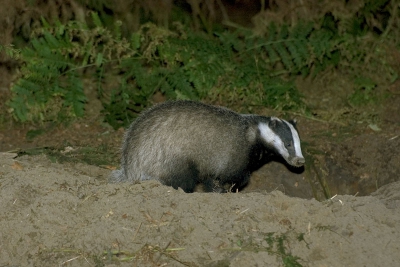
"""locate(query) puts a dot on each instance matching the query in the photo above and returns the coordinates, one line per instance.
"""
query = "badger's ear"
(293, 122)
(272, 123)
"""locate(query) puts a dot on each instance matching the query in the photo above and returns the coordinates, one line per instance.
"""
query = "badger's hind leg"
(117, 176)
(183, 175)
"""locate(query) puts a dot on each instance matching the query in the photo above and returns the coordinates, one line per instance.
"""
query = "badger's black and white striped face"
(284, 138)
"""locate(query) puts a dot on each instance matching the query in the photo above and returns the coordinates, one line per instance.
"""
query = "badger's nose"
(297, 161)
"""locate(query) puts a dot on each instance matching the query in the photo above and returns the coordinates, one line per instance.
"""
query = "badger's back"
(198, 139)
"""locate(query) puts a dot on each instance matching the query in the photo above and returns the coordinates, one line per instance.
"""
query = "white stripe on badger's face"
(273, 139)
(296, 140)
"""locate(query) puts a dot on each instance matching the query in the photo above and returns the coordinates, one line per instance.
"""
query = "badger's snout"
(297, 161)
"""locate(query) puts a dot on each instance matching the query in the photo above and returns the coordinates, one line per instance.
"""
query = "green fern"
(43, 83)
(294, 50)
(10, 51)
(51, 79)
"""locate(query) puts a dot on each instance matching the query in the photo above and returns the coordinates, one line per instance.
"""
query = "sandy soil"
(68, 215)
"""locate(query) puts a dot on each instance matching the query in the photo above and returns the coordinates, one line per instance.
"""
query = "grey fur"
(182, 143)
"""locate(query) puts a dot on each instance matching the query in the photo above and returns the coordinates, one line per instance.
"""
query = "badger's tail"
(117, 176)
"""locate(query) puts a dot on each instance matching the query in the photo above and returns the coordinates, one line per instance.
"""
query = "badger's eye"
(289, 144)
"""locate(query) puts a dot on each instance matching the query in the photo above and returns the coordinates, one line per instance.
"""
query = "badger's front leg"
(214, 185)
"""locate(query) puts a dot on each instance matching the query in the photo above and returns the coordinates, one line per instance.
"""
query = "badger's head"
(283, 138)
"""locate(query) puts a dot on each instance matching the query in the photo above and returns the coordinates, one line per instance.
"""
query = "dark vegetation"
(133, 50)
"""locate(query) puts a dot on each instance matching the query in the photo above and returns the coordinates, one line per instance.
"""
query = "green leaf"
(99, 59)
(96, 19)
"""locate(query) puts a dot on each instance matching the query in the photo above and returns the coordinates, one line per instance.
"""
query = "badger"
(184, 143)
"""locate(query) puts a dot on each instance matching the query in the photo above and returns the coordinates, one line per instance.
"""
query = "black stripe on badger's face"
(284, 138)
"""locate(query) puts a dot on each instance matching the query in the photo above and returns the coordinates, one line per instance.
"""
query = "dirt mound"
(67, 215)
